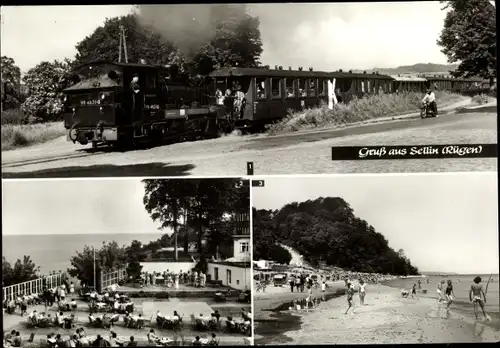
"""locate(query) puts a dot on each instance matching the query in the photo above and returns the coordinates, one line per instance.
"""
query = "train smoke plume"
(188, 27)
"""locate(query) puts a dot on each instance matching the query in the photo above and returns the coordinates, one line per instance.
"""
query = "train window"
(302, 88)
(390, 87)
(344, 85)
(260, 87)
(368, 86)
(275, 88)
(220, 84)
(150, 81)
(321, 87)
(363, 86)
(311, 87)
(290, 88)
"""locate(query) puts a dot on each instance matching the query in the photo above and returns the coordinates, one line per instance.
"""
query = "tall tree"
(22, 271)
(208, 203)
(237, 40)
(469, 37)
(164, 200)
(142, 43)
(11, 83)
(110, 256)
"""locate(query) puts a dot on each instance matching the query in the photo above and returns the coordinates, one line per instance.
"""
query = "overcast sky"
(325, 36)
(74, 206)
(444, 222)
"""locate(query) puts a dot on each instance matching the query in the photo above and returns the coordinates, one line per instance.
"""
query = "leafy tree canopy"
(45, 83)
(469, 37)
(209, 205)
(11, 83)
(109, 256)
(228, 35)
(142, 43)
(22, 271)
(327, 230)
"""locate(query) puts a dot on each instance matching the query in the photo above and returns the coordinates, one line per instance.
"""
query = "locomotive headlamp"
(105, 95)
(65, 99)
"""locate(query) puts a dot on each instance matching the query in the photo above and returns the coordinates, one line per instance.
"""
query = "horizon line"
(77, 234)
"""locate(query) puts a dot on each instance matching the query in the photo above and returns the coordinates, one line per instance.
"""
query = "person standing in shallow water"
(478, 297)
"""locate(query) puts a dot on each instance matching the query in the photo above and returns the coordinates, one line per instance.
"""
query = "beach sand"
(386, 318)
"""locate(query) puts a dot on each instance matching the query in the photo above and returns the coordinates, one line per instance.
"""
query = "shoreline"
(387, 318)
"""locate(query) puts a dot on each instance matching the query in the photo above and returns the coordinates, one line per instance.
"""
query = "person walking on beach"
(323, 290)
(414, 291)
(478, 297)
(419, 285)
(292, 283)
(350, 294)
(449, 297)
(362, 292)
(440, 290)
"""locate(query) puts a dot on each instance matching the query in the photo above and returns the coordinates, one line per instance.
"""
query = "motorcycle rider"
(430, 98)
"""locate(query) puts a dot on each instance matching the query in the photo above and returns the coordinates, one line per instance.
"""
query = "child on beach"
(476, 296)
(350, 294)
(362, 292)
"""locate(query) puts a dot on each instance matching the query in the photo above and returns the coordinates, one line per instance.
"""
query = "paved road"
(295, 153)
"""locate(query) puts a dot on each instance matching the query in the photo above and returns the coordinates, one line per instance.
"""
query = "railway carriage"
(270, 93)
(403, 83)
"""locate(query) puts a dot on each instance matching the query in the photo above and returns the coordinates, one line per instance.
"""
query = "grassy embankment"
(15, 133)
(358, 110)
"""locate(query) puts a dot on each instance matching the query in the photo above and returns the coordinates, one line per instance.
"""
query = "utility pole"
(120, 47)
(122, 31)
(95, 276)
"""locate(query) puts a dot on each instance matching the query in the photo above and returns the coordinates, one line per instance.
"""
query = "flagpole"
(95, 283)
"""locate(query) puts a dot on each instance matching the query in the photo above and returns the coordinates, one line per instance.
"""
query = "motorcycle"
(426, 111)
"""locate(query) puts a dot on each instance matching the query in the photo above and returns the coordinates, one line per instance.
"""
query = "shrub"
(357, 110)
(13, 116)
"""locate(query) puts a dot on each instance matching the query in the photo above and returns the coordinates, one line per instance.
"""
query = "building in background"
(235, 272)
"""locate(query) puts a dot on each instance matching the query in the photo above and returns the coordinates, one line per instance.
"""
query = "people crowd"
(173, 280)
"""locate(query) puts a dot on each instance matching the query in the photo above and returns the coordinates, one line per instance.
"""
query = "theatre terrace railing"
(31, 287)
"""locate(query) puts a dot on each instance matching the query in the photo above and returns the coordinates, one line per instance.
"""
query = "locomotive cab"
(115, 102)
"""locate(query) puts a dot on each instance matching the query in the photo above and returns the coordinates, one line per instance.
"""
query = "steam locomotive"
(124, 104)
